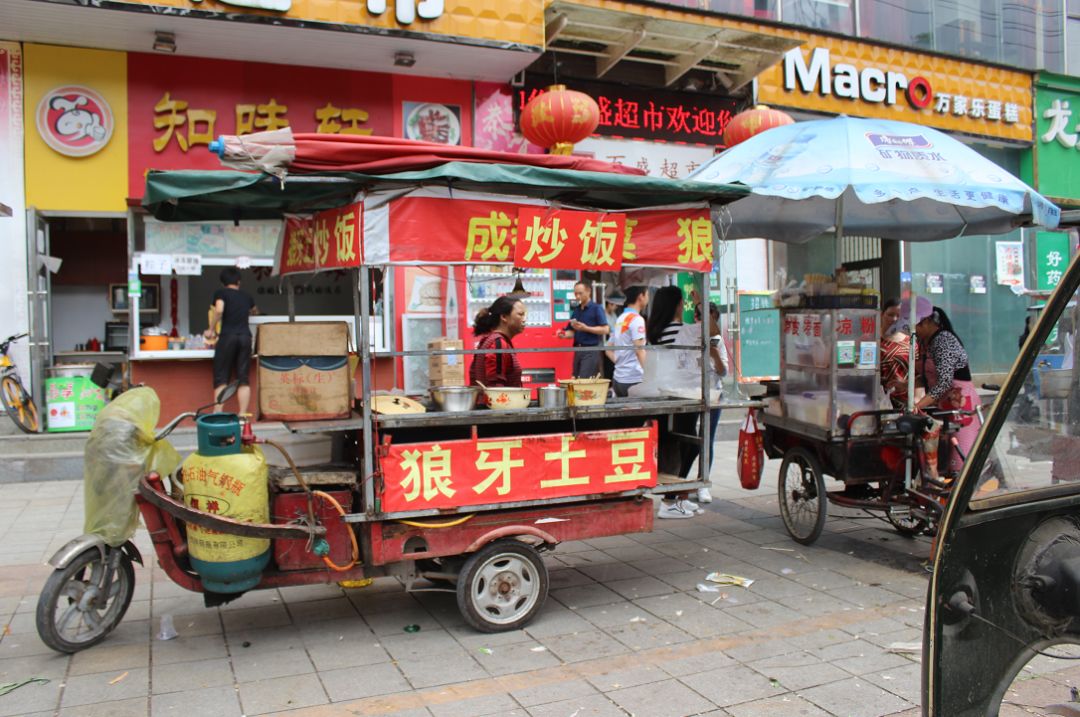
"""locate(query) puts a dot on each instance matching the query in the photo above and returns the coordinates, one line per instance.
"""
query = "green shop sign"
(1051, 260)
(1057, 137)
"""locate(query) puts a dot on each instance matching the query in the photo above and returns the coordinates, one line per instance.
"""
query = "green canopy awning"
(193, 195)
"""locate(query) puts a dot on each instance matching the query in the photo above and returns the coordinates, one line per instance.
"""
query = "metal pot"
(69, 370)
(455, 398)
(552, 396)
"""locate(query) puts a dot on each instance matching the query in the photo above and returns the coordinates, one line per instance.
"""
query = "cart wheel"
(802, 495)
(502, 586)
(904, 522)
(79, 606)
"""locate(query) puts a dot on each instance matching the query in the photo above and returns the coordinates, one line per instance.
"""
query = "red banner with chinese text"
(453, 474)
(565, 239)
(426, 229)
(680, 238)
(327, 240)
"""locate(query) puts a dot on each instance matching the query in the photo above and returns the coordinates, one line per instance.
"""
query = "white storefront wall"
(12, 194)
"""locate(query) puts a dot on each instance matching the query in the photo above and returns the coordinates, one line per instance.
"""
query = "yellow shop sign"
(845, 76)
(487, 20)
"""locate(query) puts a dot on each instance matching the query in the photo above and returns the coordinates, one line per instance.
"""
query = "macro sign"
(838, 76)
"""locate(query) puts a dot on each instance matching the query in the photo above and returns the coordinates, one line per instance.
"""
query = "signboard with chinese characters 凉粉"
(457, 473)
(1051, 259)
(565, 239)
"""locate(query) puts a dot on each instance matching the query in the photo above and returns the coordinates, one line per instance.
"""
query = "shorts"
(232, 355)
(622, 390)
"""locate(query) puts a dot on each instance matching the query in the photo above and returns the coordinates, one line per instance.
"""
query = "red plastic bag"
(751, 457)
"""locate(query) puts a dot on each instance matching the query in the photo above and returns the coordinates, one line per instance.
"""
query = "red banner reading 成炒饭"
(451, 474)
(564, 239)
(427, 229)
(327, 240)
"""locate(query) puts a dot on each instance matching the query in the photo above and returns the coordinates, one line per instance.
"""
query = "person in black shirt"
(232, 353)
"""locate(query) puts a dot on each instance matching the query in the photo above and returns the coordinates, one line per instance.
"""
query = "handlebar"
(10, 339)
(171, 425)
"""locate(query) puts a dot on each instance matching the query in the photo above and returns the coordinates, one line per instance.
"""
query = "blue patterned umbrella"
(869, 177)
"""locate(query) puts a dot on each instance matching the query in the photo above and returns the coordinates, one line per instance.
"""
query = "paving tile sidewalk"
(624, 632)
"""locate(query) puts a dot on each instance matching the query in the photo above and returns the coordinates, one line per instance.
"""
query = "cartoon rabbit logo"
(74, 121)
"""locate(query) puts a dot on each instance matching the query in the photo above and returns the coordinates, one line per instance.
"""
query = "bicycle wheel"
(802, 495)
(19, 405)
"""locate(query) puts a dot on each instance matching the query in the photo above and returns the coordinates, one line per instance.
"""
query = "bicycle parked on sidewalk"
(17, 400)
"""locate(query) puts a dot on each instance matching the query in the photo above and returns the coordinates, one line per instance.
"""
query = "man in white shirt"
(630, 332)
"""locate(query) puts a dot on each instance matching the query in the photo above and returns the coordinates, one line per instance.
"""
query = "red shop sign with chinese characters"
(564, 239)
(452, 474)
(328, 240)
(178, 105)
(487, 232)
(681, 238)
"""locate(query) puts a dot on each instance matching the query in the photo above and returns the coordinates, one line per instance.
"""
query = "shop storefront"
(128, 290)
(987, 107)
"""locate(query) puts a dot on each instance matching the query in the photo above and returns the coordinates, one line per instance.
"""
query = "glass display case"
(486, 283)
(829, 366)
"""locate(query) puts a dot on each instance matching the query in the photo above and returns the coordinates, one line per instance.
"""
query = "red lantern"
(559, 118)
(746, 124)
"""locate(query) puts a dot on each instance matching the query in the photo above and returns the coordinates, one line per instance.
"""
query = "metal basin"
(552, 396)
(454, 398)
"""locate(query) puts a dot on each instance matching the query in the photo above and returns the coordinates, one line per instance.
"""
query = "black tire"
(19, 405)
(904, 523)
(66, 589)
(801, 490)
(502, 586)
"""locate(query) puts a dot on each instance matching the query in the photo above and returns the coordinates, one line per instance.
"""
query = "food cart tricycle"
(462, 501)
(828, 420)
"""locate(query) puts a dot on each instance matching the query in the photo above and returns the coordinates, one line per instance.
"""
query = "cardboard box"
(446, 370)
(304, 371)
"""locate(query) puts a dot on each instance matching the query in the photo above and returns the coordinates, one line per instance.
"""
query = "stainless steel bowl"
(552, 396)
(455, 398)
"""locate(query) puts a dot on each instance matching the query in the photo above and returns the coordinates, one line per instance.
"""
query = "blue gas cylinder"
(230, 479)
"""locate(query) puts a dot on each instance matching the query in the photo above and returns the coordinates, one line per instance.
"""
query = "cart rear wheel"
(802, 495)
(502, 586)
(83, 602)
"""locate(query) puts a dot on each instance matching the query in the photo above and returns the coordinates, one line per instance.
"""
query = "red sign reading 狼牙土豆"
(451, 474)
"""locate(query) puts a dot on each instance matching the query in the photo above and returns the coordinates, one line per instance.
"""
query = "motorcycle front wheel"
(85, 601)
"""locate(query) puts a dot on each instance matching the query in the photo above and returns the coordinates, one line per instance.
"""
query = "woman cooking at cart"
(495, 327)
(947, 372)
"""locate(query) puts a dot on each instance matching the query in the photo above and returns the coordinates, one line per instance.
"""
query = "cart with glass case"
(829, 420)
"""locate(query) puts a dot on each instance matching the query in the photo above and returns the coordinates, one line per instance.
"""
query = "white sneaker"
(674, 511)
(704, 496)
(690, 505)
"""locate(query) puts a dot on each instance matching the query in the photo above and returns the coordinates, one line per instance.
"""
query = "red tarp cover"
(384, 155)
